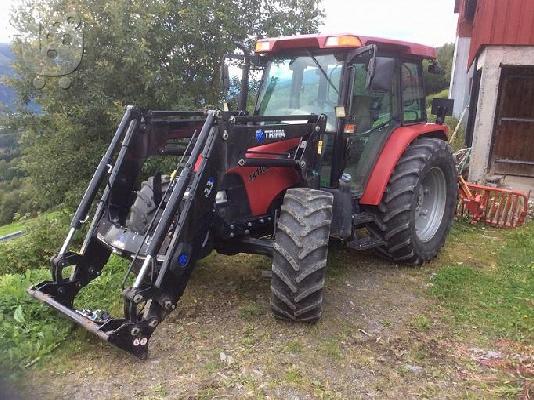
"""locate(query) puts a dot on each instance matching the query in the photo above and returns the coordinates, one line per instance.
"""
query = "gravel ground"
(381, 336)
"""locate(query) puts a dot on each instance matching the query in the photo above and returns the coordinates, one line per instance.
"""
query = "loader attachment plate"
(118, 332)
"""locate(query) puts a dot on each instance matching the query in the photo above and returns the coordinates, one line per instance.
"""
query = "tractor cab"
(366, 87)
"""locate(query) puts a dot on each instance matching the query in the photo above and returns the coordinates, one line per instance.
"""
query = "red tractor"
(338, 146)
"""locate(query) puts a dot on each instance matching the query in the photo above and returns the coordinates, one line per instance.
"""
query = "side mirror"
(224, 77)
(442, 108)
(380, 74)
(435, 68)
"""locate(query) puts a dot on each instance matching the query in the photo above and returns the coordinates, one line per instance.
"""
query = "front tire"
(300, 255)
(417, 209)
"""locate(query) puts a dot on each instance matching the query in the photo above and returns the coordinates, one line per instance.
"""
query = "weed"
(159, 390)
(421, 322)
(293, 376)
(29, 330)
(386, 323)
(331, 348)
(105, 291)
(207, 393)
(294, 346)
(251, 311)
(211, 366)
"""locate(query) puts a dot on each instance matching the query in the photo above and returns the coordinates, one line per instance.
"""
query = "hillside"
(7, 95)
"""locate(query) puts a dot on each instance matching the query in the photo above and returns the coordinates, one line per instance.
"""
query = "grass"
(495, 298)
(331, 348)
(421, 323)
(12, 227)
(22, 224)
(294, 346)
(251, 311)
(43, 237)
(30, 330)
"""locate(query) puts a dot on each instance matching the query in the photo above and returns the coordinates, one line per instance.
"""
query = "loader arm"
(183, 229)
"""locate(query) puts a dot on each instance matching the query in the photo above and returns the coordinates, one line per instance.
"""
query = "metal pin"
(67, 242)
(142, 272)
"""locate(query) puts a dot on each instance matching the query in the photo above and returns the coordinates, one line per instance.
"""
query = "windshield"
(301, 85)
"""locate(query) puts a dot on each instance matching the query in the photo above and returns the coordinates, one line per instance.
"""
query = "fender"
(394, 148)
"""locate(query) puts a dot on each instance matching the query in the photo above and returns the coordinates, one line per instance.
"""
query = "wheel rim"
(430, 207)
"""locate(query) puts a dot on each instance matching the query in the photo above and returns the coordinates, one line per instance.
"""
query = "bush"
(43, 238)
(31, 330)
(28, 329)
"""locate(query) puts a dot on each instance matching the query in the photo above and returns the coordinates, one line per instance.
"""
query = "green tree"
(435, 83)
(15, 189)
(157, 54)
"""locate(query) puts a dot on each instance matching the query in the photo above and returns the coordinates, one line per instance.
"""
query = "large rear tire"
(417, 209)
(300, 255)
(144, 206)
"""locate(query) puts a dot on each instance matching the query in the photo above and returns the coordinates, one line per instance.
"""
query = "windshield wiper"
(378, 127)
(323, 72)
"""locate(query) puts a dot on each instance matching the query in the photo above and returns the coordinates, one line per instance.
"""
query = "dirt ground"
(381, 336)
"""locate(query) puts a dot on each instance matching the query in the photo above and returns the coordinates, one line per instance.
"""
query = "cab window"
(373, 113)
(368, 109)
(413, 95)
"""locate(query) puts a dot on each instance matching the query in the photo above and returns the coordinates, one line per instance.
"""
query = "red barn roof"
(321, 41)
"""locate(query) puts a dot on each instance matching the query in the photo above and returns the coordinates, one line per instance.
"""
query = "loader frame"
(178, 234)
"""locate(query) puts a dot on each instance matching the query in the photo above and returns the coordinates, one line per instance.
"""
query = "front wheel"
(417, 209)
(300, 255)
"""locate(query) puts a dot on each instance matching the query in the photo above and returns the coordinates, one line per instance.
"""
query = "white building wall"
(460, 78)
(491, 62)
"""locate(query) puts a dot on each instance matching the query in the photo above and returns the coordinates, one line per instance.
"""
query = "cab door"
(372, 116)
(413, 93)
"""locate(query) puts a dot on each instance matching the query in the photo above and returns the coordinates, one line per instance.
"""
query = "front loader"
(338, 146)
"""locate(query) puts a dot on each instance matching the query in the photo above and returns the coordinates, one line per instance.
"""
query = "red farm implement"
(501, 208)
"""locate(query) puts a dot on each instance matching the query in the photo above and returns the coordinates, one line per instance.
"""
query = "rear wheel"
(417, 209)
(145, 205)
(300, 255)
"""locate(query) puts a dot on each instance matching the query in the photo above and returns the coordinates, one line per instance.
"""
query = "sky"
(5, 30)
(430, 22)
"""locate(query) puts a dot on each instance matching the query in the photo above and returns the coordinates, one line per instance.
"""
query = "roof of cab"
(319, 41)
